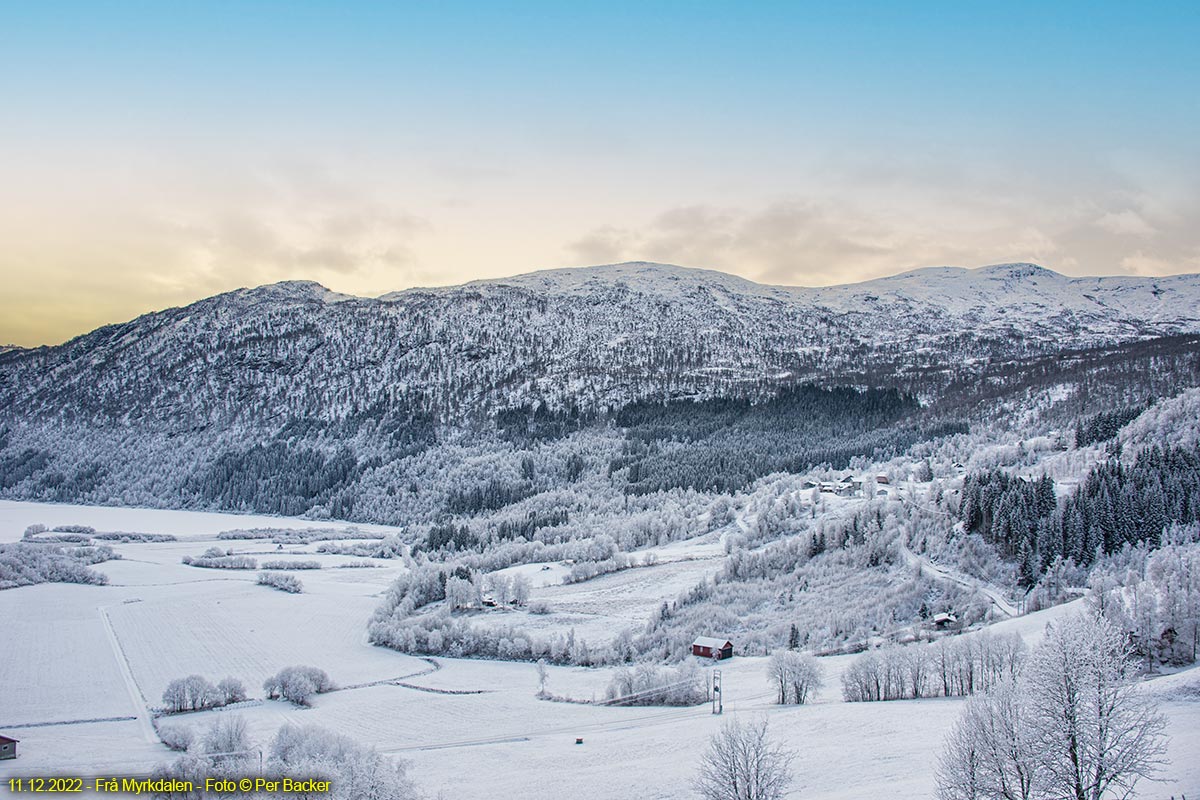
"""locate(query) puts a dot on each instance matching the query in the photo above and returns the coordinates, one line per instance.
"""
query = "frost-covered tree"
(175, 737)
(1175, 572)
(795, 676)
(743, 763)
(355, 772)
(520, 590)
(297, 684)
(195, 693)
(226, 741)
(281, 581)
(1095, 731)
(1071, 725)
(33, 561)
(961, 666)
(224, 750)
(198, 693)
(231, 690)
(646, 685)
(175, 696)
(992, 752)
(461, 593)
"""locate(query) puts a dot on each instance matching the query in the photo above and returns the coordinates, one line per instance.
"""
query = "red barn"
(710, 647)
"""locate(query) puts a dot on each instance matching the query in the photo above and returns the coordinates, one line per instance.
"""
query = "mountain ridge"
(645, 273)
(593, 337)
(923, 284)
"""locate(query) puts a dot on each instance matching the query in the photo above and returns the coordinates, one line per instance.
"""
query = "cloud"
(112, 255)
(264, 244)
(1125, 223)
(294, 223)
(788, 241)
(846, 235)
(1140, 263)
(605, 245)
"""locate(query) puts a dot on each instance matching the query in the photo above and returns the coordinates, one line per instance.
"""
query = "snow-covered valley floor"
(95, 660)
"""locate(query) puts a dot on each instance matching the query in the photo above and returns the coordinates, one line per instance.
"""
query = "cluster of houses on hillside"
(851, 486)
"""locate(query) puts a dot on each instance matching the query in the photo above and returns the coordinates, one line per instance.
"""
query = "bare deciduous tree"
(1072, 725)
(297, 684)
(742, 763)
(992, 751)
(795, 675)
(226, 742)
(231, 690)
(1096, 733)
(520, 590)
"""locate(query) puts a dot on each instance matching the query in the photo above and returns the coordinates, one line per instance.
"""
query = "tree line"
(1117, 504)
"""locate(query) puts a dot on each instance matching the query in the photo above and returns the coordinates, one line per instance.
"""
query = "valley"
(479, 572)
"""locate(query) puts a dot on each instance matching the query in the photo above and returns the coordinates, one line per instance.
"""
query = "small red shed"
(8, 747)
(711, 647)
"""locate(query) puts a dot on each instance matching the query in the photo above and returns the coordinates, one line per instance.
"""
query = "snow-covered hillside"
(1022, 297)
(594, 337)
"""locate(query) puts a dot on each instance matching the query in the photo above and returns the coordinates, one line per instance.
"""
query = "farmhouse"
(710, 647)
(855, 487)
(8, 747)
(944, 620)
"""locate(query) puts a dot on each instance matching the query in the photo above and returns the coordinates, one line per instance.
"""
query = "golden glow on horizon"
(155, 154)
(108, 235)
(70, 267)
(84, 248)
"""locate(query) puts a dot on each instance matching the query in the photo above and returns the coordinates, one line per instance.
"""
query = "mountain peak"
(629, 272)
(1018, 270)
(290, 290)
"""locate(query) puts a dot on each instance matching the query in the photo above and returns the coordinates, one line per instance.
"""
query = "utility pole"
(718, 704)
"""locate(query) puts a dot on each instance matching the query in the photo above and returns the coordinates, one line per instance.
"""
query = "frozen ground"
(16, 515)
(97, 657)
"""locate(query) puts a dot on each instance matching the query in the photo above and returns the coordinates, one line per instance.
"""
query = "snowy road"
(135, 692)
(937, 572)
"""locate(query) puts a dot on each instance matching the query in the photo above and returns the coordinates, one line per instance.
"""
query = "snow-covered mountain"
(594, 337)
(1010, 296)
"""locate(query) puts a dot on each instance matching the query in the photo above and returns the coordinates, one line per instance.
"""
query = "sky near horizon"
(152, 154)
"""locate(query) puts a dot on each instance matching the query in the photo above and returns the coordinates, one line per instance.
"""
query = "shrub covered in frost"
(291, 565)
(297, 684)
(26, 563)
(284, 583)
(215, 558)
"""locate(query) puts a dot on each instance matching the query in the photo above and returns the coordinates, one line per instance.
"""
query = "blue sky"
(159, 152)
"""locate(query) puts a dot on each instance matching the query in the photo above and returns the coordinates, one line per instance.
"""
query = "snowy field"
(16, 515)
(96, 659)
(600, 608)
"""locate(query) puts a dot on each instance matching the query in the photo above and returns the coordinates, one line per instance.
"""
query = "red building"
(8, 747)
(710, 647)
